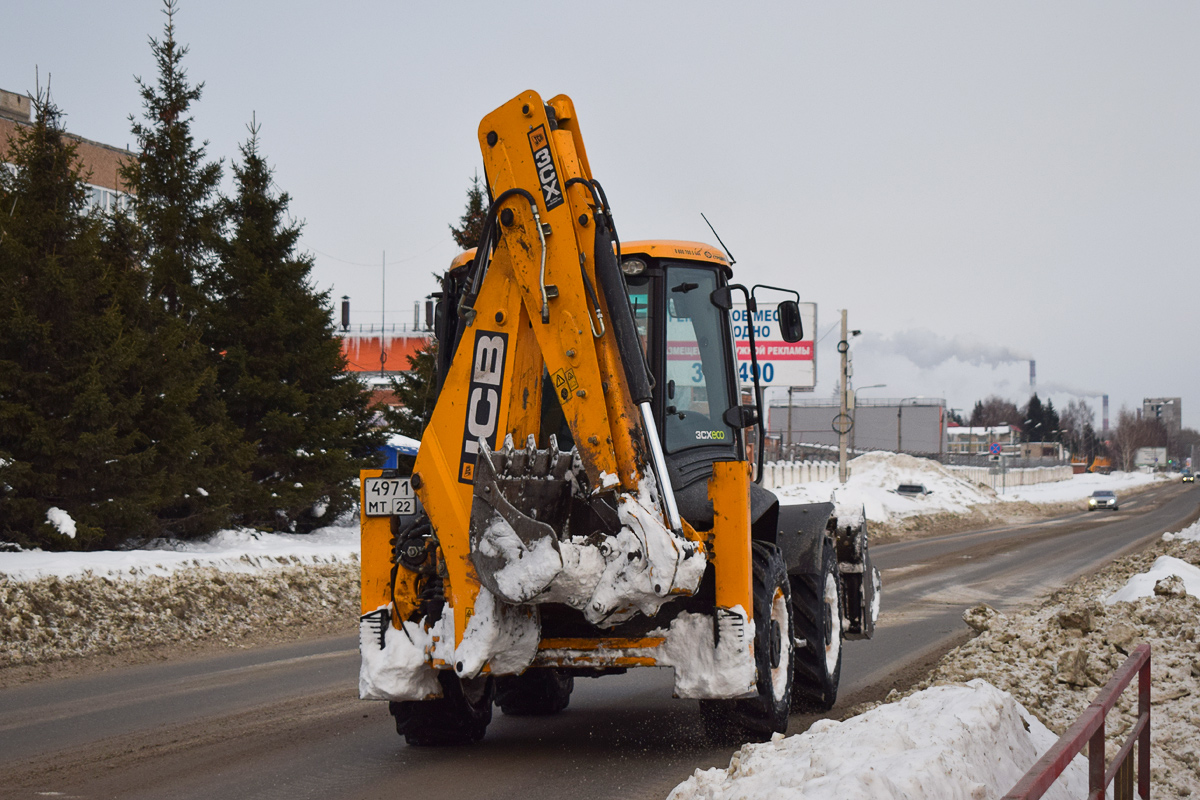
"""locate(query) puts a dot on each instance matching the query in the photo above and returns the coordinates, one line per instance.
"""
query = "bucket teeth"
(518, 462)
(560, 462)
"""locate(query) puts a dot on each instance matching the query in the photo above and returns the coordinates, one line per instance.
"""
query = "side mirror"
(722, 298)
(738, 417)
(789, 321)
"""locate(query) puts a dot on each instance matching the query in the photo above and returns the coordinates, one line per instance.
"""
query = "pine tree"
(175, 184)
(470, 225)
(199, 454)
(1050, 420)
(416, 392)
(1034, 427)
(282, 374)
(69, 436)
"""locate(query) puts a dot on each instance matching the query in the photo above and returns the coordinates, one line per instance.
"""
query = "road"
(284, 722)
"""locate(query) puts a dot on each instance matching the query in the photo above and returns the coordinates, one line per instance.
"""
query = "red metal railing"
(1089, 730)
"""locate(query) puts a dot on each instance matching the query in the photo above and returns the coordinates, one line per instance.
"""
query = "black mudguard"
(804, 533)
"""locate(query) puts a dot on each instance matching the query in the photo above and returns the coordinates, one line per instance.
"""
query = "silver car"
(1102, 498)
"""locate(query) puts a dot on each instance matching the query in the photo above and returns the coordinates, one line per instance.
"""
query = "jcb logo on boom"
(483, 399)
(544, 162)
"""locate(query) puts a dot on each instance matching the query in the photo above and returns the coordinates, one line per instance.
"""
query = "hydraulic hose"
(482, 250)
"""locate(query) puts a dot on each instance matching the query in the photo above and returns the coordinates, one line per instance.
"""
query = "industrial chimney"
(345, 312)
(1104, 404)
(1032, 377)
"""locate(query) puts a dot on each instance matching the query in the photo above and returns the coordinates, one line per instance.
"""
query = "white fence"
(1013, 477)
(786, 473)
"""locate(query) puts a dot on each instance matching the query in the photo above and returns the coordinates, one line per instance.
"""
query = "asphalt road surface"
(284, 721)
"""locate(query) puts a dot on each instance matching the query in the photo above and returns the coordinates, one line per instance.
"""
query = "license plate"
(387, 496)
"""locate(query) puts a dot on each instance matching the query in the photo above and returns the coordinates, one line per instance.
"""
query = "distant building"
(911, 425)
(1167, 410)
(101, 163)
(979, 440)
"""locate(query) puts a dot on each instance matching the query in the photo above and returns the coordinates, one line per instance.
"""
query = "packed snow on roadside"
(235, 587)
(1080, 486)
(1054, 657)
(240, 550)
(994, 705)
(872, 486)
(968, 741)
(875, 476)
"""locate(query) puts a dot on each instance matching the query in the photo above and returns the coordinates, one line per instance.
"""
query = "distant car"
(1188, 476)
(913, 489)
(1102, 498)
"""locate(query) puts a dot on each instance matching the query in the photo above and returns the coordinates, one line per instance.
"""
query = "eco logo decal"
(483, 399)
(544, 162)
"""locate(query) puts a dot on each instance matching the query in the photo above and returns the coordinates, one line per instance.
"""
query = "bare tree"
(1076, 422)
(1132, 433)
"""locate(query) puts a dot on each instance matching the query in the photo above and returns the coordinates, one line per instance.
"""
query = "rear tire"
(817, 601)
(534, 693)
(755, 719)
(460, 716)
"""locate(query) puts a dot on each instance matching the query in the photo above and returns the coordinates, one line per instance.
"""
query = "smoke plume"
(927, 349)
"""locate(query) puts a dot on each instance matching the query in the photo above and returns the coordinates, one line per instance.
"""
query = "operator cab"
(687, 340)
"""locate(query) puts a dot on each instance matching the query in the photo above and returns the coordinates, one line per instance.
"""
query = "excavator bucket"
(517, 512)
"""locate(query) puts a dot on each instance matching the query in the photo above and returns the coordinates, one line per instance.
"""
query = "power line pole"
(382, 312)
(843, 430)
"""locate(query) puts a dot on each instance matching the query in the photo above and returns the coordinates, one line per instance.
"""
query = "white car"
(1102, 498)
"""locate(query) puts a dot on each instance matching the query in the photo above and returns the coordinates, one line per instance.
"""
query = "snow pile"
(872, 486)
(875, 476)
(237, 585)
(1080, 486)
(971, 741)
(1158, 580)
(1054, 658)
(240, 550)
(1188, 534)
(51, 618)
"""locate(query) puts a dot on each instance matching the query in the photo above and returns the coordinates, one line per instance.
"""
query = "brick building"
(1167, 410)
(101, 163)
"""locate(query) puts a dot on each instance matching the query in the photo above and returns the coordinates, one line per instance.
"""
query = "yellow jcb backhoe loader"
(582, 502)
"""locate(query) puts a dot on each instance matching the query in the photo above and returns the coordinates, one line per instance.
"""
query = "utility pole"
(382, 312)
(843, 429)
(791, 452)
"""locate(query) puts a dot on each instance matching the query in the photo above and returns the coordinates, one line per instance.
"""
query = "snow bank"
(872, 486)
(240, 550)
(1054, 657)
(238, 585)
(1188, 534)
(1146, 584)
(1080, 486)
(51, 618)
(971, 741)
(875, 476)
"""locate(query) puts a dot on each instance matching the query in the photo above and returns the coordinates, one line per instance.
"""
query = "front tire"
(534, 693)
(817, 601)
(460, 716)
(755, 719)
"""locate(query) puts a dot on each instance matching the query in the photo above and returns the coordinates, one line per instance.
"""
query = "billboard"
(780, 363)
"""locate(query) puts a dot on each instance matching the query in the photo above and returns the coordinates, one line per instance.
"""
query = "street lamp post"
(900, 419)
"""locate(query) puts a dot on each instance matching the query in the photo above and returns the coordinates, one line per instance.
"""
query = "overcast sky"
(978, 184)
